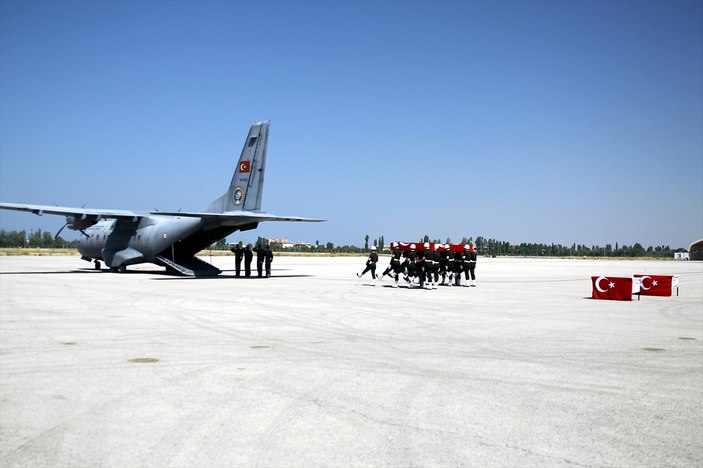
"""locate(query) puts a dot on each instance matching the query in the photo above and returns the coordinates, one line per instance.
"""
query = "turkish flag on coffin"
(419, 246)
(655, 285)
(611, 287)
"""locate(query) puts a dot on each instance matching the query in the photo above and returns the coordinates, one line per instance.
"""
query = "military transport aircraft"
(171, 239)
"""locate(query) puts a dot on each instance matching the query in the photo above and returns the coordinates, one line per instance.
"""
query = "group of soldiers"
(264, 257)
(425, 266)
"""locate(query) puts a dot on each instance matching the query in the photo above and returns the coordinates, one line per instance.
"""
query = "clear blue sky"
(555, 122)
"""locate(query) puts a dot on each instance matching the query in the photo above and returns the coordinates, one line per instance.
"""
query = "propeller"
(69, 220)
(62, 227)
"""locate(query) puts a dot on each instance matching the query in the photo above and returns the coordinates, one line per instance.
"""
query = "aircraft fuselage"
(121, 242)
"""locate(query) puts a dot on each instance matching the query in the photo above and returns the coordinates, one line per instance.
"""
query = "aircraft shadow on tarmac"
(62, 272)
(162, 275)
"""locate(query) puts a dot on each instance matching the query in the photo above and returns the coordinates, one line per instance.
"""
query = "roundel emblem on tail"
(237, 196)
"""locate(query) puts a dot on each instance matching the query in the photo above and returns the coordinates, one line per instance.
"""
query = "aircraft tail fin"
(247, 183)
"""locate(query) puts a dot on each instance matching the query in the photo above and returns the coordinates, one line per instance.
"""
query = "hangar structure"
(695, 250)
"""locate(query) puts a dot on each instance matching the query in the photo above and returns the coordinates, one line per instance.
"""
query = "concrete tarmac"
(314, 367)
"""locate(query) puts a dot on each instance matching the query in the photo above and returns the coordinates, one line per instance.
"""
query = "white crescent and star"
(598, 287)
(642, 285)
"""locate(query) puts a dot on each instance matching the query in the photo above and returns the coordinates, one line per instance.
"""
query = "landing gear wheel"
(121, 269)
(97, 264)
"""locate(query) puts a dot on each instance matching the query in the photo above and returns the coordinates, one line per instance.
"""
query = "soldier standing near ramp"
(248, 256)
(268, 258)
(238, 255)
(260, 255)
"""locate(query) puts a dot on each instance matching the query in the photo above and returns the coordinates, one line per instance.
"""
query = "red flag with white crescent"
(655, 285)
(612, 287)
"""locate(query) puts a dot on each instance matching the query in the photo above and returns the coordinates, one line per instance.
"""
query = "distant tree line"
(495, 247)
(492, 247)
(35, 239)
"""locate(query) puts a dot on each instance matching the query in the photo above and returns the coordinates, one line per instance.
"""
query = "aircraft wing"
(228, 217)
(233, 218)
(79, 213)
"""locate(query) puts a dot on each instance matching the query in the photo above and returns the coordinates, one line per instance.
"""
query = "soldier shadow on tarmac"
(167, 276)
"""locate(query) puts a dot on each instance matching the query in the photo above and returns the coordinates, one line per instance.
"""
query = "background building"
(695, 250)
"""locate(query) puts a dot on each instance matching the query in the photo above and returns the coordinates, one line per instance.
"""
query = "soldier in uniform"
(410, 265)
(260, 256)
(420, 265)
(433, 272)
(471, 267)
(397, 264)
(465, 264)
(238, 255)
(394, 265)
(248, 255)
(458, 267)
(268, 258)
(370, 265)
(443, 261)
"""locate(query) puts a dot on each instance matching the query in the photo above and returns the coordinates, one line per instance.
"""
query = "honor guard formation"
(264, 257)
(421, 265)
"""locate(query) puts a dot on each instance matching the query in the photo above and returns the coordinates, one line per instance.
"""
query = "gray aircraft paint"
(171, 239)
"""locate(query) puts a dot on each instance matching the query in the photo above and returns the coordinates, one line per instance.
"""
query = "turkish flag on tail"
(655, 285)
(611, 287)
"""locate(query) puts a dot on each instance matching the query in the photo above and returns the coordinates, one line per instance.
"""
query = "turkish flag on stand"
(655, 285)
(611, 287)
